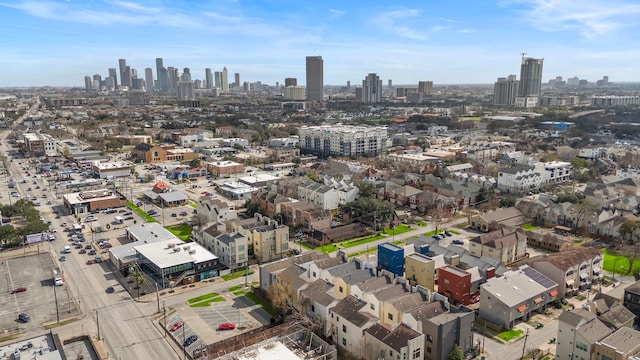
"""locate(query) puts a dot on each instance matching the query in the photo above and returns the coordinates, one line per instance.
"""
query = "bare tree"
(281, 295)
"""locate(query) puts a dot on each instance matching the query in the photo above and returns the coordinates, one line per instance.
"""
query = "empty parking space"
(32, 272)
(182, 334)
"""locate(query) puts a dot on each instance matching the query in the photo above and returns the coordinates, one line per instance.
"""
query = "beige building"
(623, 344)
(506, 245)
(267, 239)
(420, 270)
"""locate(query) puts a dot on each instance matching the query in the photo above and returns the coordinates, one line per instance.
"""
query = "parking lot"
(183, 333)
(33, 272)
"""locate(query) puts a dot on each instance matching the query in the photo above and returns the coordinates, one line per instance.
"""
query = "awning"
(584, 276)
(570, 282)
(537, 300)
(553, 293)
(522, 307)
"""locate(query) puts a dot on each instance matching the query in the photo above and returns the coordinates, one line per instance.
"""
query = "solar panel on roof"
(539, 278)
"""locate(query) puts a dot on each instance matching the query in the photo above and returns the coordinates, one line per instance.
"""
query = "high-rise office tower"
(97, 78)
(185, 90)
(315, 78)
(390, 84)
(290, 82)
(530, 77)
(208, 78)
(113, 74)
(148, 78)
(236, 83)
(218, 79)
(87, 82)
(505, 91)
(425, 87)
(122, 67)
(173, 77)
(163, 76)
(348, 85)
(225, 80)
(371, 89)
(186, 74)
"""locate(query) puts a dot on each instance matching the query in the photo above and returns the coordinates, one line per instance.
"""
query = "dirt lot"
(32, 271)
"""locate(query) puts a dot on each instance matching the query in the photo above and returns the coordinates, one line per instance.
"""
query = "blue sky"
(58, 42)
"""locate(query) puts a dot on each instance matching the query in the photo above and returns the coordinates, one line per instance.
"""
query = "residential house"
(573, 270)
(465, 168)
(508, 246)
(610, 311)
(420, 270)
(215, 210)
(578, 332)
(446, 193)
(268, 240)
(394, 309)
(269, 202)
(316, 300)
(554, 172)
(232, 249)
(323, 196)
(516, 296)
(375, 300)
(622, 344)
(371, 285)
(493, 220)
(391, 258)
(384, 341)
(269, 272)
(520, 180)
(455, 284)
(444, 326)
(344, 282)
(401, 195)
(348, 323)
(305, 215)
(319, 269)
(631, 300)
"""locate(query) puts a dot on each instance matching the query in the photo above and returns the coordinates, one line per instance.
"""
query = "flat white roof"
(151, 232)
(224, 163)
(112, 165)
(169, 253)
(251, 179)
(273, 351)
(89, 196)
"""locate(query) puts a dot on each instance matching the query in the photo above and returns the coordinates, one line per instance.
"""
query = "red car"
(177, 325)
(227, 326)
(18, 290)
(89, 262)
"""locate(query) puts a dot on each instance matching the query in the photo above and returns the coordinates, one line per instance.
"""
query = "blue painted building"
(391, 258)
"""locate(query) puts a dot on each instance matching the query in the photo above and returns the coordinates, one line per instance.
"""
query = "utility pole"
(158, 297)
(184, 340)
(55, 295)
(164, 311)
(524, 347)
(98, 323)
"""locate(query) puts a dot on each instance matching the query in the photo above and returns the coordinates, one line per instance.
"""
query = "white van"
(67, 249)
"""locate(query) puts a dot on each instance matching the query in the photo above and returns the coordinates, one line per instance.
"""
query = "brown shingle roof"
(396, 338)
(567, 259)
(349, 309)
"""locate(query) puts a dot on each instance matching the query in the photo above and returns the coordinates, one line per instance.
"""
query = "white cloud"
(591, 18)
(137, 7)
(336, 13)
(395, 22)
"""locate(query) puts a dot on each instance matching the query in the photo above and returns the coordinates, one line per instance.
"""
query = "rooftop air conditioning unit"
(176, 249)
(191, 252)
(171, 245)
(187, 247)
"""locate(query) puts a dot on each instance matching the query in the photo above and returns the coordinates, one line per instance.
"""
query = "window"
(391, 353)
(429, 350)
(390, 316)
(416, 354)
(314, 274)
(429, 338)
(344, 341)
(341, 289)
(313, 308)
(344, 328)
(373, 307)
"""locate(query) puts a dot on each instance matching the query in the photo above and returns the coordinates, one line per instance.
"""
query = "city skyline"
(57, 43)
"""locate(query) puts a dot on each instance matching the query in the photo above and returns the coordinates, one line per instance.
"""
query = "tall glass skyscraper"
(530, 77)
(163, 76)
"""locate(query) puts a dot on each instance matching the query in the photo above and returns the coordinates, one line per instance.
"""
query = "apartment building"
(507, 246)
(39, 144)
(224, 168)
(343, 140)
(267, 240)
(232, 250)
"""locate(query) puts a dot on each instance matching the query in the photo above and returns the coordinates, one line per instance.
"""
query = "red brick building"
(455, 284)
(225, 168)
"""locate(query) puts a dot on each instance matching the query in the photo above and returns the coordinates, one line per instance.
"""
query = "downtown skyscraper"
(530, 82)
(372, 89)
(163, 76)
(208, 77)
(315, 78)
(225, 80)
(125, 73)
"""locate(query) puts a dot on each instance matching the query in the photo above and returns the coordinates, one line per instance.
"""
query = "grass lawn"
(205, 300)
(510, 334)
(182, 231)
(529, 227)
(140, 212)
(422, 223)
(235, 275)
(363, 252)
(328, 248)
(622, 263)
(400, 229)
(356, 242)
(259, 301)
(433, 232)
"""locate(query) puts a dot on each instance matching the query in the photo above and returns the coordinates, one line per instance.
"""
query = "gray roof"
(395, 338)
(428, 310)
(318, 292)
(173, 196)
(358, 276)
(390, 292)
(150, 232)
(594, 330)
(408, 302)
(344, 269)
(375, 284)
(229, 238)
(625, 340)
(349, 309)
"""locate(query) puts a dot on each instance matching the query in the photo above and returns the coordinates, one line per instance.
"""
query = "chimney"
(491, 273)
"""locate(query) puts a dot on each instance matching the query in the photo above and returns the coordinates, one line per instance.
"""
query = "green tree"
(456, 353)
(627, 229)
(486, 194)
(367, 189)
(194, 163)
(508, 201)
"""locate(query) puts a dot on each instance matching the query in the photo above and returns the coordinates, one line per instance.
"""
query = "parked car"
(90, 261)
(18, 290)
(24, 317)
(457, 242)
(177, 325)
(128, 213)
(227, 326)
(88, 247)
(129, 218)
(90, 218)
(183, 213)
(92, 252)
(448, 233)
(190, 340)
(83, 251)
(174, 215)
(98, 259)
(110, 290)
(437, 237)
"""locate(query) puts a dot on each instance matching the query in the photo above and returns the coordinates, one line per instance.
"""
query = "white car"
(90, 218)
(54, 230)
